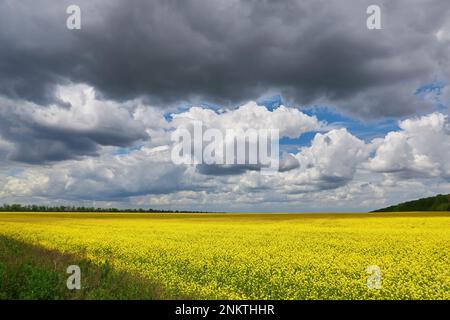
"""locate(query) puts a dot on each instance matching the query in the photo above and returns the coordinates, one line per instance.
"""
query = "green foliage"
(436, 203)
(35, 208)
(32, 273)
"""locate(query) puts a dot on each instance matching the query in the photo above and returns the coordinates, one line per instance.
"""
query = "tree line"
(439, 202)
(43, 208)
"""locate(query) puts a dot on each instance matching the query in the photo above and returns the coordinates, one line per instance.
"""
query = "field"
(251, 256)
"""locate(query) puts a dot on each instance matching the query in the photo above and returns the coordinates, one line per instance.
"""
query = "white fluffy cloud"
(421, 148)
(333, 156)
(291, 122)
(330, 162)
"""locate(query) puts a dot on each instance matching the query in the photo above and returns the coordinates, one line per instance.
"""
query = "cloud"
(420, 149)
(337, 171)
(5, 149)
(289, 122)
(228, 52)
(107, 177)
(330, 162)
(82, 124)
(79, 125)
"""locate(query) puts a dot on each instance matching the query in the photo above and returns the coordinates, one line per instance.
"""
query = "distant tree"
(42, 208)
(437, 203)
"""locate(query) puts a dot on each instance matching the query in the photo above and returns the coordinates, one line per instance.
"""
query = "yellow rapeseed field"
(257, 256)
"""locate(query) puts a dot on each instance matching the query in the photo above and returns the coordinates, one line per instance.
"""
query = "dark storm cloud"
(227, 51)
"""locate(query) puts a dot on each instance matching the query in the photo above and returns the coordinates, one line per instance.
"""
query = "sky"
(86, 115)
